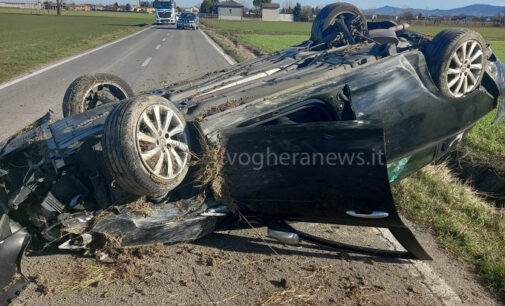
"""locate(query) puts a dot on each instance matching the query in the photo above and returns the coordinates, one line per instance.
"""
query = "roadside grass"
(28, 41)
(460, 220)
(230, 47)
(488, 140)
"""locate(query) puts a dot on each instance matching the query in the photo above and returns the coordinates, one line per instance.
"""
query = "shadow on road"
(249, 245)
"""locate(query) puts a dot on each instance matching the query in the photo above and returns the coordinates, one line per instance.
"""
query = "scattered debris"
(43, 285)
(352, 49)
(141, 206)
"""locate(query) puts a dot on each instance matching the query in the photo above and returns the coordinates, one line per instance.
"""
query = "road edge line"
(228, 58)
(432, 281)
(69, 59)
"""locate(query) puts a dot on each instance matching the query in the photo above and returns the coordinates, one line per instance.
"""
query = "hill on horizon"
(478, 10)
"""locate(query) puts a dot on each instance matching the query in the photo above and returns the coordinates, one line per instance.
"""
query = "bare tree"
(407, 13)
(58, 7)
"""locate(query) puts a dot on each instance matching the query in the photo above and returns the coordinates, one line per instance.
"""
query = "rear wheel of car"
(456, 59)
(145, 146)
(339, 22)
(89, 91)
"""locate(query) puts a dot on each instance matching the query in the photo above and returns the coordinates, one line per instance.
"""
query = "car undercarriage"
(313, 133)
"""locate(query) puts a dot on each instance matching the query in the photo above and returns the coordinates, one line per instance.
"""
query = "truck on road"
(165, 11)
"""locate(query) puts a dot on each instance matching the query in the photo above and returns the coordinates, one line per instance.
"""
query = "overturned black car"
(312, 133)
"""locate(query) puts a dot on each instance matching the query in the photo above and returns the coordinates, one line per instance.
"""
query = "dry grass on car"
(142, 207)
(210, 173)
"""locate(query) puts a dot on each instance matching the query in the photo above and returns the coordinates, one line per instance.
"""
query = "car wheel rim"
(465, 69)
(162, 142)
(103, 93)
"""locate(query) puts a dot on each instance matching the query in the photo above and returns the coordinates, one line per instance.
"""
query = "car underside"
(313, 133)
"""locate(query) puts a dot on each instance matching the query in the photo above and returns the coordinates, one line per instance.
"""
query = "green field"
(77, 13)
(459, 218)
(273, 36)
(272, 43)
(259, 27)
(27, 41)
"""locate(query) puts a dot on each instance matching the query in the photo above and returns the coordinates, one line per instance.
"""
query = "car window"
(188, 15)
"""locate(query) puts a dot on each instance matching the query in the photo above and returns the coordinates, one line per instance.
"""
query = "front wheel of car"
(145, 146)
(456, 60)
(90, 91)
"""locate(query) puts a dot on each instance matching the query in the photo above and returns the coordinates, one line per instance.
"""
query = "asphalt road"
(160, 53)
(228, 267)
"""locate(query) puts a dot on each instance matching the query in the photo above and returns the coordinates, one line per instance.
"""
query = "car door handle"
(373, 215)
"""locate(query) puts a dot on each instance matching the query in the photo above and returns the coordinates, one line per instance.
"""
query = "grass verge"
(31, 40)
(238, 53)
(460, 220)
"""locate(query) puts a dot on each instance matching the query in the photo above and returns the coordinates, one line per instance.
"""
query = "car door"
(327, 172)
(332, 172)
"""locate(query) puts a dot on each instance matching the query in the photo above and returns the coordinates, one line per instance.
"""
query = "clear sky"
(363, 4)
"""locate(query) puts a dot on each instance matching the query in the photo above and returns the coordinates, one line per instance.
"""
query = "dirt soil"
(240, 266)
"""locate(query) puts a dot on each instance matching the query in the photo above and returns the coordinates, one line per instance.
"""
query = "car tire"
(324, 30)
(144, 154)
(84, 92)
(457, 60)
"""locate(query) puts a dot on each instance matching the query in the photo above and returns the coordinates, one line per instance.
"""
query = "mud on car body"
(396, 98)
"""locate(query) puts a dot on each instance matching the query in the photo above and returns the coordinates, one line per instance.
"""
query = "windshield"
(163, 4)
(188, 16)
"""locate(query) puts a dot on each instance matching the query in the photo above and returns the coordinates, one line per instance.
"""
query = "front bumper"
(13, 242)
(165, 20)
(187, 25)
(496, 70)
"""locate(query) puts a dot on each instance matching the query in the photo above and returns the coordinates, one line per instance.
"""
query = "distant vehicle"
(188, 20)
(165, 12)
(177, 16)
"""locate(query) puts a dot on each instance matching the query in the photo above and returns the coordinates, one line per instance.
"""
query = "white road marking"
(158, 47)
(230, 60)
(32, 74)
(163, 39)
(432, 281)
(146, 62)
(168, 34)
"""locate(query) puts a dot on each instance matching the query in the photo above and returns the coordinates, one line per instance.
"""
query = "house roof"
(271, 5)
(230, 4)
